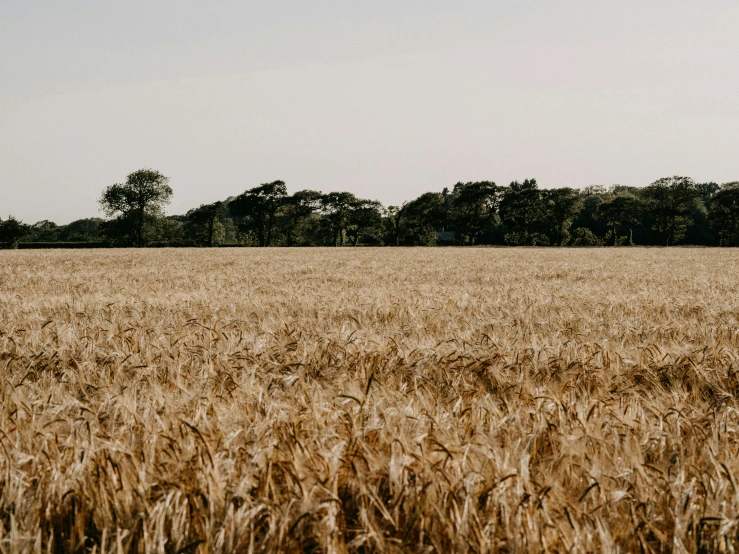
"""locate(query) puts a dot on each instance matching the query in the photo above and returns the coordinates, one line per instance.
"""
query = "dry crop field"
(356, 400)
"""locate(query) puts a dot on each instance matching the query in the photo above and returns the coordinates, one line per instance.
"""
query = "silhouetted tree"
(724, 214)
(522, 210)
(260, 207)
(336, 209)
(44, 231)
(393, 217)
(668, 202)
(561, 206)
(365, 219)
(296, 209)
(134, 204)
(206, 219)
(11, 230)
(621, 212)
(582, 236)
(475, 209)
(421, 219)
(81, 230)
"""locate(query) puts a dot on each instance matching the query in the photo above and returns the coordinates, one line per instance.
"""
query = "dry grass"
(485, 400)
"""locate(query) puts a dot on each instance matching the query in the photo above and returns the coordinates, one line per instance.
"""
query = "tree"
(365, 218)
(81, 230)
(296, 209)
(561, 207)
(587, 217)
(724, 213)
(620, 213)
(475, 209)
(261, 206)
(11, 230)
(136, 203)
(668, 203)
(522, 210)
(706, 191)
(582, 236)
(393, 218)
(421, 218)
(337, 208)
(44, 231)
(205, 218)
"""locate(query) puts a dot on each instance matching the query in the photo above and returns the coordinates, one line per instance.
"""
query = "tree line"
(670, 211)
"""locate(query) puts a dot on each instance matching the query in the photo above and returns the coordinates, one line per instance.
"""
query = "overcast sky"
(386, 99)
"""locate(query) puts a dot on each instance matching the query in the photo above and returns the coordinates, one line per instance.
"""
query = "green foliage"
(365, 221)
(203, 225)
(621, 215)
(670, 211)
(561, 206)
(336, 208)
(475, 209)
(724, 214)
(296, 210)
(419, 220)
(137, 206)
(582, 236)
(259, 209)
(523, 212)
(668, 202)
(11, 230)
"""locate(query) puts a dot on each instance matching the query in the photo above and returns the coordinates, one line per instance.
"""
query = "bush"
(583, 236)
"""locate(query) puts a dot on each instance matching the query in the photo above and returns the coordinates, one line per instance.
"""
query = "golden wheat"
(356, 400)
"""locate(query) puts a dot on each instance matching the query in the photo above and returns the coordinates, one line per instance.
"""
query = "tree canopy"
(669, 211)
(135, 205)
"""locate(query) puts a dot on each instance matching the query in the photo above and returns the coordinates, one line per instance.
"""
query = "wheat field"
(369, 400)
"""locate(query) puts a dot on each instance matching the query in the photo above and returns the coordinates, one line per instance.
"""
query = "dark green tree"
(44, 231)
(706, 191)
(365, 219)
(205, 220)
(587, 217)
(336, 209)
(260, 207)
(136, 204)
(724, 214)
(392, 220)
(296, 209)
(522, 210)
(421, 219)
(11, 230)
(620, 214)
(668, 202)
(561, 206)
(475, 209)
(81, 230)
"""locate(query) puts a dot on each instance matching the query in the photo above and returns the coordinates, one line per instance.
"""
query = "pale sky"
(386, 99)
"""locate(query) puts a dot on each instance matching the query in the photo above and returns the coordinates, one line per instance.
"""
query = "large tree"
(668, 203)
(260, 207)
(336, 208)
(724, 214)
(421, 218)
(11, 230)
(522, 210)
(296, 209)
(135, 203)
(365, 219)
(205, 220)
(475, 209)
(620, 214)
(561, 206)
